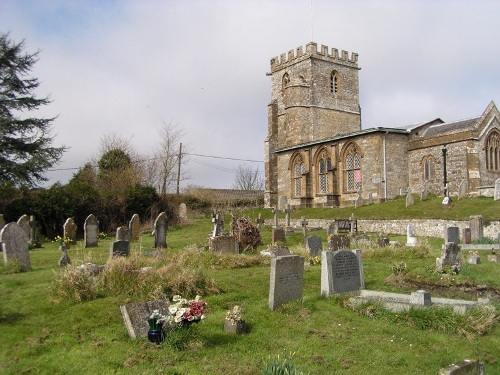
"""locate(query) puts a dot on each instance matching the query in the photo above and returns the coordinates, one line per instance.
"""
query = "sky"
(126, 67)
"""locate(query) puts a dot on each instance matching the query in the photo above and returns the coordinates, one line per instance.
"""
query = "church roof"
(449, 127)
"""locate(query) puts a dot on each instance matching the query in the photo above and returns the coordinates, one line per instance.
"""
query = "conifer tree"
(26, 150)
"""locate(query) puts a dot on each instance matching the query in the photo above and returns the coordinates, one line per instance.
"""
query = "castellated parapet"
(312, 51)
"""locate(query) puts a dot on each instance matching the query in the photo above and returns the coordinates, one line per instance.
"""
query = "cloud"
(126, 66)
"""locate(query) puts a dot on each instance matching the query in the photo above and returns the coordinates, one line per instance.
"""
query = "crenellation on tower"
(286, 59)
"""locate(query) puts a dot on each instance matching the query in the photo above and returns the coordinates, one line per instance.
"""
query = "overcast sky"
(127, 66)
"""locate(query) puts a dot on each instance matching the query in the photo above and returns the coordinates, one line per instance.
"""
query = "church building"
(317, 154)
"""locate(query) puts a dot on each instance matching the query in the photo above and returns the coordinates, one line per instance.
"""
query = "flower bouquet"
(184, 312)
(234, 322)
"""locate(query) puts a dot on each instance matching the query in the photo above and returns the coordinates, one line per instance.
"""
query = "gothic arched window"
(334, 82)
(285, 80)
(352, 168)
(324, 164)
(492, 150)
(428, 165)
(299, 169)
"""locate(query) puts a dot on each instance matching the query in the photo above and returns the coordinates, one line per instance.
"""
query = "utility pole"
(179, 167)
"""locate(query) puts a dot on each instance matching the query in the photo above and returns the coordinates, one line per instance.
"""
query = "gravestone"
(69, 231)
(24, 223)
(119, 248)
(362, 240)
(134, 226)
(314, 245)
(223, 244)
(409, 198)
(496, 194)
(353, 225)
(135, 316)
(336, 242)
(260, 221)
(424, 195)
(91, 231)
(383, 242)
(340, 272)
(452, 234)
(15, 245)
(370, 198)
(286, 281)
(473, 259)
(476, 227)
(410, 240)
(182, 212)
(123, 233)
(450, 257)
(275, 217)
(358, 202)
(304, 223)
(161, 226)
(64, 259)
(218, 222)
(278, 251)
(466, 236)
(33, 236)
(277, 235)
(332, 228)
(462, 189)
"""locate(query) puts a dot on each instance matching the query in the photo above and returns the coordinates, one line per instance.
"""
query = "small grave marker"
(91, 231)
(119, 248)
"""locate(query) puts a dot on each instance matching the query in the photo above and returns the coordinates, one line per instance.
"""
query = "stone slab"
(135, 316)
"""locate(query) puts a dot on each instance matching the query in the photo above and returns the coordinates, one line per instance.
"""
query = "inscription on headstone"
(340, 272)
(286, 281)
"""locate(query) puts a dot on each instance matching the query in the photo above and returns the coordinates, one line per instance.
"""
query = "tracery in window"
(428, 165)
(492, 150)
(334, 82)
(324, 164)
(352, 168)
(299, 168)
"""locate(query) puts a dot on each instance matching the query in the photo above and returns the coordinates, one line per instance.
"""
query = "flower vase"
(156, 335)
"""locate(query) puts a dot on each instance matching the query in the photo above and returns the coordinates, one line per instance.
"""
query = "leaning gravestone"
(123, 233)
(314, 245)
(15, 245)
(24, 222)
(476, 227)
(119, 248)
(135, 316)
(340, 272)
(286, 282)
(135, 227)
(161, 226)
(69, 231)
(91, 231)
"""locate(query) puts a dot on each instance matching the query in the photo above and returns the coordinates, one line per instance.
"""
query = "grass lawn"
(321, 335)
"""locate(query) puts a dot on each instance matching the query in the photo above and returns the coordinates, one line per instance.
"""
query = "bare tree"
(248, 179)
(163, 167)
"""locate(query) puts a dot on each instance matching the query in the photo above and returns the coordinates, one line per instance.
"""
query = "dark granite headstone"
(340, 272)
(119, 249)
(314, 245)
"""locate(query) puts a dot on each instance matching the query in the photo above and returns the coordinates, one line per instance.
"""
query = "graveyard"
(297, 290)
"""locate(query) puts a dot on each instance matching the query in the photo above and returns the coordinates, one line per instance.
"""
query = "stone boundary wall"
(421, 228)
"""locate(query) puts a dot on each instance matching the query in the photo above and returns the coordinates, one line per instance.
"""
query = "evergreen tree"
(26, 150)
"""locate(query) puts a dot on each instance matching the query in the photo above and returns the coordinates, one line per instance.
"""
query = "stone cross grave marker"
(476, 227)
(286, 281)
(260, 221)
(69, 231)
(275, 217)
(119, 248)
(34, 226)
(496, 194)
(303, 223)
(354, 225)
(135, 316)
(450, 256)
(452, 234)
(314, 245)
(64, 259)
(135, 227)
(466, 236)
(15, 245)
(123, 233)
(161, 226)
(336, 242)
(91, 231)
(340, 272)
(183, 212)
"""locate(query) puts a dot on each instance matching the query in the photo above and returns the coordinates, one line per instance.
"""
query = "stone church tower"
(314, 97)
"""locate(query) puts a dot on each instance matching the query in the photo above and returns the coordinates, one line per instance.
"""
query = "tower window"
(334, 83)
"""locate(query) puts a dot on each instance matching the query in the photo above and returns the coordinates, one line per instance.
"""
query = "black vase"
(156, 336)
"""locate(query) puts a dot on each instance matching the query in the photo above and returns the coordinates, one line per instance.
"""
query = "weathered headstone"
(277, 235)
(370, 198)
(123, 233)
(69, 231)
(287, 215)
(135, 316)
(223, 244)
(466, 236)
(340, 272)
(362, 240)
(15, 245)
(24, 223)
(91, 231)
(462, 189)
(450, 257)
(353, 225)
(337, 242)
(383, 242)
(332, 228)
(358, 202)
(286, 281)
(161, 226)
(452, 234)
(64, 259)
(424, 195)
(496, 194)
(119, 248)
(33, 236)
(218, 222)
(303, 223)
(314, 245)
(409, 198)
(410, 240)
(476, 227)
(183, 212)
(135, 227)
(278, 251)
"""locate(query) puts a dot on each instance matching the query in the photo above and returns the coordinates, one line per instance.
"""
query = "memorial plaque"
(286, 282)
